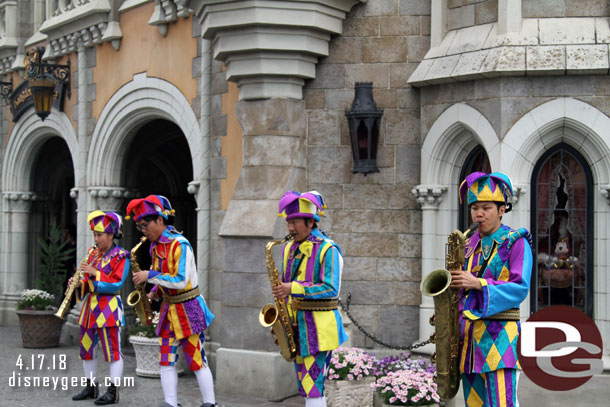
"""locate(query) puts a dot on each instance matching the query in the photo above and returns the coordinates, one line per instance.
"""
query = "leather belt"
(182, 297)
(512, 314)
(314, 305)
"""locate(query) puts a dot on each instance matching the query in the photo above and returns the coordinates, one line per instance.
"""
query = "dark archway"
(52, 180)
(159, 162)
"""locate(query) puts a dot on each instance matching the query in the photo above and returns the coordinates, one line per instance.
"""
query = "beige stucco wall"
(231, 145)
(143, 49)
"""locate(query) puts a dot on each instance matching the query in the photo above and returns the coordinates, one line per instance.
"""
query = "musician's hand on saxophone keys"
(86, 268)
(463, 279)
(140, 277)
(282, 290)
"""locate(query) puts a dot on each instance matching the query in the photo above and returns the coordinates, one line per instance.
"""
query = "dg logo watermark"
(560, 348)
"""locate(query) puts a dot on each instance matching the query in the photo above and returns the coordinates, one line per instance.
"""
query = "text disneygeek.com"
(64, 382)
(57, 362)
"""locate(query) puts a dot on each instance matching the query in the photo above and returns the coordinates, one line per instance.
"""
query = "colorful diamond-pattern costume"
(503, 263)
(102, 307)
(174, 272)
(314, 267)
(488, 344)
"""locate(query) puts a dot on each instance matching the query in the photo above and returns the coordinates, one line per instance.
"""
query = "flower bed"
(404, 381)
(399, 380)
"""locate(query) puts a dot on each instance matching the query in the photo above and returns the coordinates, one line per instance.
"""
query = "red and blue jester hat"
(150, 205)
(306, 205)
(105, 222)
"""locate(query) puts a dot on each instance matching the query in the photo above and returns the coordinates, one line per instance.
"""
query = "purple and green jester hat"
(151, 205)
(306, 205)
(105, 222)
(479, 186)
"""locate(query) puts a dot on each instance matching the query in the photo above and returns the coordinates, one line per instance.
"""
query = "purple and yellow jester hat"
(151, 205)
(306, 205)
(105, 222)
(479, 186)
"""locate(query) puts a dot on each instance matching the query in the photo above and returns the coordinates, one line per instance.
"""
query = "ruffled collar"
(487, 242)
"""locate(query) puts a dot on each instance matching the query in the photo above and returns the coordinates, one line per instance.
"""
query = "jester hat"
(105, 222)
(479, 186)
(151, 205)
(306, 205)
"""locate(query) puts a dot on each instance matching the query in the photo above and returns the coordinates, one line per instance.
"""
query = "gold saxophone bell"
(133, 298)
(267, 315)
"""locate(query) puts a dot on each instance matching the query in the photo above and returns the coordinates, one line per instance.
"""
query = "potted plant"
(40, 328)
(146, 346)
(402, 381)
(350, 378)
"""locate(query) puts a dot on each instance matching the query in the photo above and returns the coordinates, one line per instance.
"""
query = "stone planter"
(39, 329)
(147, 356)
(353, 393)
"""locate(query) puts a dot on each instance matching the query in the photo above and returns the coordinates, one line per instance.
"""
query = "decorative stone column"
(273, 162)
(270, 47)
(429, 197)
(14, 252)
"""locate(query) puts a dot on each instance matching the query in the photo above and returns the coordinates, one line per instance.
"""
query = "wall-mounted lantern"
(364, 120)
(46, 81)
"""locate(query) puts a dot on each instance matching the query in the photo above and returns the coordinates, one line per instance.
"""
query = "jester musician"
(311, 279)
(105, 269)
(493, 284)
(184, 314)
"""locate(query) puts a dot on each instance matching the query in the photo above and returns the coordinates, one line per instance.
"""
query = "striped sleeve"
(179, 264)
(112, 283)
(326, 285)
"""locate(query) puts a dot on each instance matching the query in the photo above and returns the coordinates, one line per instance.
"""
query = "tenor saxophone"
(137, 298)
(276, 315)
(65, 304)
(446, 314)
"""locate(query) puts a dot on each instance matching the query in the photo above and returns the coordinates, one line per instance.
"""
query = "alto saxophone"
(446, 314)
(137, 298)
(65, 304)
(276, 315)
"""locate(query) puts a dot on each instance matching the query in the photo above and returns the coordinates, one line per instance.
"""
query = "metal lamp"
(44, 80)
(364, 120)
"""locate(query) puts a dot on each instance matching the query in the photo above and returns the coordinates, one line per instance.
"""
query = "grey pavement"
(58, 389)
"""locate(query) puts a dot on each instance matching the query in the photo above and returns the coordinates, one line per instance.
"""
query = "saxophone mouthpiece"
(471, 229)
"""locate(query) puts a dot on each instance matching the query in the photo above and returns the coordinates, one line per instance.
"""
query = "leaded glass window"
(562, 226)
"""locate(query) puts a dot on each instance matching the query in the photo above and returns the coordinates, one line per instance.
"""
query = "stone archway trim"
(29, 132)
(140, 100)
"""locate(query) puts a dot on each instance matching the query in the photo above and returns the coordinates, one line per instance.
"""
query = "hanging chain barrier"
(371, 337)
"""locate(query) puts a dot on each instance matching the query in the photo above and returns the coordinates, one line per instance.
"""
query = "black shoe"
(110, 397)
(208, 405)
(89, 392)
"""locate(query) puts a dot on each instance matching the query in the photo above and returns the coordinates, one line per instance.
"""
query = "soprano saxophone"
(276, 315)
(65, 304)
(446, 334)
(137, 298)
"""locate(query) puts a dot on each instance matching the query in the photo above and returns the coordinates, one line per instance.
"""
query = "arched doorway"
(159, 162)
(52, 180)
(477, 160)
(562, 225)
